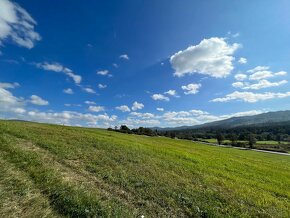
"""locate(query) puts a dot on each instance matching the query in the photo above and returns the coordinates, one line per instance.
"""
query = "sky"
(150, 63)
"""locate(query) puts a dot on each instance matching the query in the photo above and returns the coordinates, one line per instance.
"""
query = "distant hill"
(260, 119)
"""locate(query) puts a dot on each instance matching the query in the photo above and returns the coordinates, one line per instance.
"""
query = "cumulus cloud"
(241, 76)
(68, 91)
(242, 60)
(103, 72)
(263, 72)
(251, 97)
(191, 89)
(17, 25)
(14, 107)
(123, 108)
(261, 75)
(258, 68)
(34, 99)
(142, 115)
(137, 106)
(171, 92)
(57, 67)
(159, 97)
(262, 84)
(125, 57)
(102, 86)
(213, 57)
(8, 102)
(160, 109)
(89, 90)
(96, 108)
(238, 84)
(71, 118)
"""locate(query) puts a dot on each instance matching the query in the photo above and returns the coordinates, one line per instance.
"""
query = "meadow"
(58, 171)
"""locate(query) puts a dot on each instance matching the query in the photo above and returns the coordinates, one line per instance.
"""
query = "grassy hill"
(56, 171)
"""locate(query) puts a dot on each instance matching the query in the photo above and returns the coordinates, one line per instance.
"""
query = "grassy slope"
(51, 171)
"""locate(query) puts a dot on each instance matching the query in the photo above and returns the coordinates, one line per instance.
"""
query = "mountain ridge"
(264, 118)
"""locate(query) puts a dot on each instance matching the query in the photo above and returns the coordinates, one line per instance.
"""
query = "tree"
(172, 135)
(278, 138)
(124, 129)
(220, 138)
(252, 140)
(233, 138)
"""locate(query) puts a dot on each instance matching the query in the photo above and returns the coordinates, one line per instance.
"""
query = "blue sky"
(142, 63)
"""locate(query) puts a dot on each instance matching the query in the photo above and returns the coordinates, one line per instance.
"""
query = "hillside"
(260, 120)
(56, 171)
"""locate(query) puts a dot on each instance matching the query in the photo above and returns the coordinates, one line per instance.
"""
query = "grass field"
(57, 171)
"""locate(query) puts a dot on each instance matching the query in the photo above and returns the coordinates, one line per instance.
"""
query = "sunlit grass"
(91, 172)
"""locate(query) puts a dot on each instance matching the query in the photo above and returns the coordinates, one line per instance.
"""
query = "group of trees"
(251, 139)
(240, 136)
(138, 131)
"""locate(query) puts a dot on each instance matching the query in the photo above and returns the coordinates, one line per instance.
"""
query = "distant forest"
(244, 136)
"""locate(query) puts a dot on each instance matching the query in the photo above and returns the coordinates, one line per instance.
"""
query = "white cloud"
(102, 86)
(191, 88)
(34, 99)
(264, 84)
(242, 60)
(103, 72)
(57, 67)
(258, 68)
(125, 57)
(9, 85)
(159, 97)
(241, 77)
(89, 90)
(68, 91)
(13, 107)
(96, 108)
(142, 115)
(211, 57)
(258, 75)
(115, 65)
(71, 118)
(89, 102)
(261, 75)
(238, 84)
(251, 97)
(8, 102)
(137, 106)
(160, 109)
(171, 92)
(280, 73)
(17, 25)
(123, 108)
(72, 105)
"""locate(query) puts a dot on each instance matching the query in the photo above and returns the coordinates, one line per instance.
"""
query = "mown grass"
(79, 172)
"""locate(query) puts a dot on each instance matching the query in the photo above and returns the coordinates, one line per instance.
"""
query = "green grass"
(57, 171)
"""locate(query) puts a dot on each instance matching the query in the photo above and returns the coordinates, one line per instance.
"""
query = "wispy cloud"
(125, 57)
(57, 67)
(17, 25)
(68, 91)
(34, 99)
